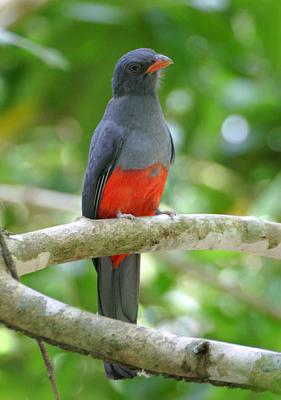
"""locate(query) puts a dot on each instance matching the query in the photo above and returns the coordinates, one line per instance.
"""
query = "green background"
(222, 101)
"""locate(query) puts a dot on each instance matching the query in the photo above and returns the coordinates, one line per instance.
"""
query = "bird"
(129, 158)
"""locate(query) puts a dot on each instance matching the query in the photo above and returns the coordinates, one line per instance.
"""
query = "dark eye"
(134, 68)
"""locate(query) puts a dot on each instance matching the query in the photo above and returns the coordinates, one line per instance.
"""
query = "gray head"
(137, 72)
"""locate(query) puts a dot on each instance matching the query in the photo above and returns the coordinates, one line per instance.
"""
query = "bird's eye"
(134, 68)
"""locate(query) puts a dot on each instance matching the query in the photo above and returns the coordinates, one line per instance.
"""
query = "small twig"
(9, 262)
(7, 256)
(50, 368)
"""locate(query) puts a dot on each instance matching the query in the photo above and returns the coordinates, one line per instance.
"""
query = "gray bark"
(193, 359)
(86, 238)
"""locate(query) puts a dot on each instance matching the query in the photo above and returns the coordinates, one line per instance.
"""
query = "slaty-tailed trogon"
(130, 154)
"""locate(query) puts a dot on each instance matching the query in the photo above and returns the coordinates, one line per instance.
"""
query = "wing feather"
(105, 148)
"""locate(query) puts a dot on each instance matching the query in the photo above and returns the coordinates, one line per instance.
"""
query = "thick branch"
(85, 238)
(193, 359)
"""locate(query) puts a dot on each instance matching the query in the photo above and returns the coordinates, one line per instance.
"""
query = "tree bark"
(193, 359)
(199, 360)
(87, 238)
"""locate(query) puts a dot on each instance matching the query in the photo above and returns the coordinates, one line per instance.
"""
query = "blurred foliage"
(222, 100)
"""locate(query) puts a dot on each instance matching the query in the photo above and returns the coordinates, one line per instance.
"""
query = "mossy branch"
(192, 359)
(86, 238)
(196, 360)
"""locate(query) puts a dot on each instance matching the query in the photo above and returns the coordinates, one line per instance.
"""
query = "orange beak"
(160, 63)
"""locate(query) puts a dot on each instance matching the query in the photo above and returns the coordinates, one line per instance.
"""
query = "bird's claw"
(171, 213)
(127, 216)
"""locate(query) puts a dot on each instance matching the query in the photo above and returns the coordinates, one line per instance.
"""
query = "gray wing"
(105, 148)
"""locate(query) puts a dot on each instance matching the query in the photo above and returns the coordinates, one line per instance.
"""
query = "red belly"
(136, 192)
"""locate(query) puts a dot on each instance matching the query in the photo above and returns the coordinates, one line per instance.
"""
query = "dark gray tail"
(118, 291)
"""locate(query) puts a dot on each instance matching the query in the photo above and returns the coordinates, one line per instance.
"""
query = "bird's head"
(137, 72)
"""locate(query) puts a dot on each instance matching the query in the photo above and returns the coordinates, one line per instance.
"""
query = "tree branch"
(41, 198)
(199, 360)
(193, 359)
(86, 238)
(9, 263)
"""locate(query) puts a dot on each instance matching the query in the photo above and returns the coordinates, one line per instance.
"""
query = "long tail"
(118, 291)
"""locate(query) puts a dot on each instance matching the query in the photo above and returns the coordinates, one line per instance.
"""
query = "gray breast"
(144, 148)
(147, 140)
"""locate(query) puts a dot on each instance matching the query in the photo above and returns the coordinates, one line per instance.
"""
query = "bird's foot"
(127, 216)
(171, 213)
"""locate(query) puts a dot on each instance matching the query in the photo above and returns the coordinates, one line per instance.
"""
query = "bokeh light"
(235, 129)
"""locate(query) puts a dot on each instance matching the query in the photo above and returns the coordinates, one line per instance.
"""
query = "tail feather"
(118, 291)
